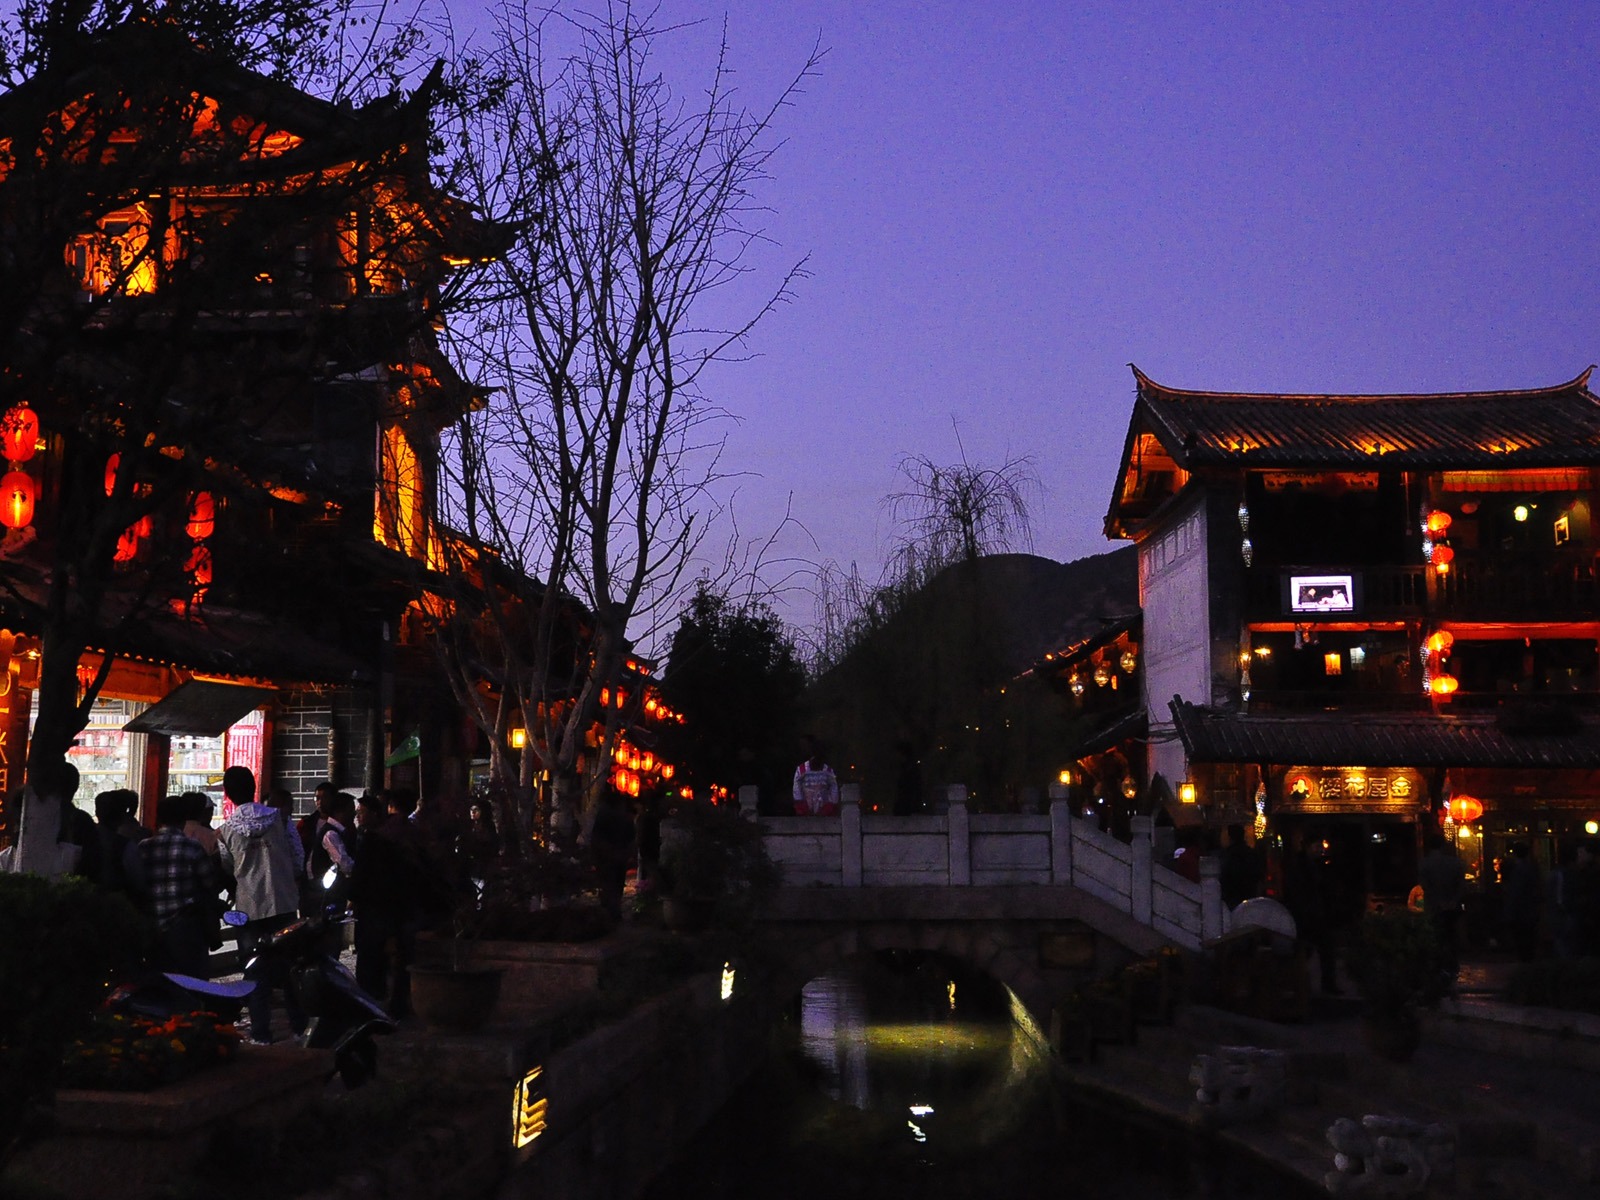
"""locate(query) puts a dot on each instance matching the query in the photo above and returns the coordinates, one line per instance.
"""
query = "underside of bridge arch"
(1040, 966)
(1041, 942)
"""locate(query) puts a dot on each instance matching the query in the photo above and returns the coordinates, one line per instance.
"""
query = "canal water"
(909, 1075)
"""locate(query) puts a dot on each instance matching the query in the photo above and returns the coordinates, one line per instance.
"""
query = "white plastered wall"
(1177, 637)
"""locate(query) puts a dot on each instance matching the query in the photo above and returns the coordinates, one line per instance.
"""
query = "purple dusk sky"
(1004, 205)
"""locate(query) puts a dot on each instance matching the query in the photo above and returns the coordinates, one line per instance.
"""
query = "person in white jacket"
(255, 847)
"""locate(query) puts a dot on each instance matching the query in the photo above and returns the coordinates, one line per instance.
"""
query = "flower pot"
(456, 999)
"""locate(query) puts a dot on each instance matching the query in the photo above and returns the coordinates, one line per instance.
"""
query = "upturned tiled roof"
(1537, 427)
(1378, 740)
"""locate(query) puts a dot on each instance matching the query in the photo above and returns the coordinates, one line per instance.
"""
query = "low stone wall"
(538, 976)
(597, 1117)
(132, 1145)
(1543, 1035)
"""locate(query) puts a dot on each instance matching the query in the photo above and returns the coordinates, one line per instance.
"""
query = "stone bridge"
(1041, 902)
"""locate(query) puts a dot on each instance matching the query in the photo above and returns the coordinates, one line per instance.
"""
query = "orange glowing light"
(1438, 523)
(199, 569)
(1443, 556)
(18, 493)
(1465, 809)
(127, 545)
(112, 464)
(668, 770)
(1444, 685)
(1441, 641)
(202, 516)
(19, 434)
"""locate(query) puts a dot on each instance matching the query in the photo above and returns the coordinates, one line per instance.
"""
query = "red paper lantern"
(202, 516)
(128, 544)
(18, 494)
(1438, 523)
(19, 434)
(112, 464)
(1444, 685)
(1465, 809)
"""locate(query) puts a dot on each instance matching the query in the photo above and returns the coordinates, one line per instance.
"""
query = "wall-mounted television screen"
(1322, 594)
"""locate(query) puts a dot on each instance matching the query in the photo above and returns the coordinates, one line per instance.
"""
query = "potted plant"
(714, 866)
(1399, 967)
(456, 993)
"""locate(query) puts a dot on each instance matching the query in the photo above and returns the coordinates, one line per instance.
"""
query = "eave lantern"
(202, 516)
(1443, 685)
(1464, 810)
(18, 495)
(19, 434)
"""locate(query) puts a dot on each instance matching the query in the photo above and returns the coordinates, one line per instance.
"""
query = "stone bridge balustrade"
(962, 849)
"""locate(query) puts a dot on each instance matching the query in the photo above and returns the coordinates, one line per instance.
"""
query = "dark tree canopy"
(734, 674)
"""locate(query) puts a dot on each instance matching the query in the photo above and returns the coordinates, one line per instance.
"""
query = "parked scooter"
(342, 1016)
(164, 994)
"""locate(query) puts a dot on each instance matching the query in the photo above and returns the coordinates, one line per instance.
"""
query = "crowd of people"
(386, 862)
(1513, 907)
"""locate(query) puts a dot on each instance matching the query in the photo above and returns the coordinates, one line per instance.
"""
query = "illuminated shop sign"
(1352, 789)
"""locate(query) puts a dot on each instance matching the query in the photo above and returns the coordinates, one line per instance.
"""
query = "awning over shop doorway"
(200, 708)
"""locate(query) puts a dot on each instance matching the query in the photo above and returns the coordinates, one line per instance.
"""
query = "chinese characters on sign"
(1352, 789)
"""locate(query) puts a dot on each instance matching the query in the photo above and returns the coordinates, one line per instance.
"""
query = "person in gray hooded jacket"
(255, 847)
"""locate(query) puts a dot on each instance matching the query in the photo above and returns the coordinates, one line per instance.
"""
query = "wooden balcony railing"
(1518, 586)
(1480, 586)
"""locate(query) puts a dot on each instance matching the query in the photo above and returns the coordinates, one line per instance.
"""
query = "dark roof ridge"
(1580, 382)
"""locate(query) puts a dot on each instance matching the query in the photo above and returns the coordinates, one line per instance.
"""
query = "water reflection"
(923, 1043)
(911, 1077)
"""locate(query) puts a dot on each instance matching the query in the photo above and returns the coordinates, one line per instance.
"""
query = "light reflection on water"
(907, 1050)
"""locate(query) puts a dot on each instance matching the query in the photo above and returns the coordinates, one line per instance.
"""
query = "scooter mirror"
(234, 918)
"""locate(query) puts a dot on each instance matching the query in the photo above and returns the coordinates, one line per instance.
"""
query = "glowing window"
(398, 521)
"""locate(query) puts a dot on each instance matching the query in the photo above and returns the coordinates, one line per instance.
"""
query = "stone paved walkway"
(1519, 1088)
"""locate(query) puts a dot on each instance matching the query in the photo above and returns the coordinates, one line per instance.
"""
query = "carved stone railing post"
(749, 801)
(960, 836)
(1140, 900)
(1060, 835)
(1211, 910)
(850, 834)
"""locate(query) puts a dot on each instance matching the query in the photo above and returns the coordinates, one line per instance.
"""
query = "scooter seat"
(206, 987)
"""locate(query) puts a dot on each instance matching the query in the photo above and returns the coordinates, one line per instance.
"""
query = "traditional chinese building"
(1371, 615)
(222, 401)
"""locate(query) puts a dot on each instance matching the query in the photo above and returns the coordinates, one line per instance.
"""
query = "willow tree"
(591, 475)
(914, 670)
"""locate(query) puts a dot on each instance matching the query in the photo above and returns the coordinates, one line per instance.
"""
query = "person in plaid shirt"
(180, 886)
